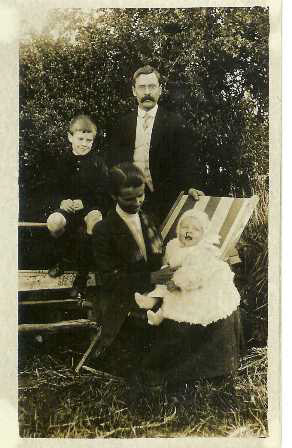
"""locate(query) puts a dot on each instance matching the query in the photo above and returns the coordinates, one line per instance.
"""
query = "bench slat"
(32, 224)
(66, 303)
(38, 280)
(56, 326)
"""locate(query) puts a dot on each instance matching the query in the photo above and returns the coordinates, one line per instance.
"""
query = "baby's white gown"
(207, 292)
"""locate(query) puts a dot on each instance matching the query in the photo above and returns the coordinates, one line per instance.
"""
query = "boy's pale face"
(81, 142)
(190, 232)
(131, 199)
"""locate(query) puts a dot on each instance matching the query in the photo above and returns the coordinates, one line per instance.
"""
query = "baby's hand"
(171, 286)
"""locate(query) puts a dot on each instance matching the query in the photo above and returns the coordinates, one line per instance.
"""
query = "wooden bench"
(44, 303)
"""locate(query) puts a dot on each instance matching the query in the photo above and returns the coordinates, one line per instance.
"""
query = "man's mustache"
(147, 98)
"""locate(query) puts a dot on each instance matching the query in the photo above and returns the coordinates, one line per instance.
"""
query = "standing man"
(159, 143)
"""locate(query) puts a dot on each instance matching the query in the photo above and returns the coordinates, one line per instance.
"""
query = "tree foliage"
(214, 66)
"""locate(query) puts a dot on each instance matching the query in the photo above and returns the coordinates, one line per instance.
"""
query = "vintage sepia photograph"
(143, 223)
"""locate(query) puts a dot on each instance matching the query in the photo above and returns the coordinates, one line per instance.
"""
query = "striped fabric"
(228, 217)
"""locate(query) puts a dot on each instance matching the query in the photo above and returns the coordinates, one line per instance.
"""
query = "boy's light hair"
(82, 123)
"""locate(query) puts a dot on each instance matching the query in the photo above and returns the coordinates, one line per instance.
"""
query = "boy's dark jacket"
(81, 177)
(120, 269)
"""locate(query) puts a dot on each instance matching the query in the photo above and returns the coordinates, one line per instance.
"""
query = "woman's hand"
(162, 277)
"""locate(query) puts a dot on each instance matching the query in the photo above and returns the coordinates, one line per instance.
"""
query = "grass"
(252, 274)
(54, 402)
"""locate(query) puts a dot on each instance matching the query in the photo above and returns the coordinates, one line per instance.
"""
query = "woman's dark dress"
(183, 351)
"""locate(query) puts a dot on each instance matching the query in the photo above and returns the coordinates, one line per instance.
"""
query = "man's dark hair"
(125, 175)
(146, 70)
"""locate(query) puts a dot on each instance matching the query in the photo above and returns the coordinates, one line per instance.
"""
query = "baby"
(202, 289)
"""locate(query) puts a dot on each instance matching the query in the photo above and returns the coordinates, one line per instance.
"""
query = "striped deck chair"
(228, 217)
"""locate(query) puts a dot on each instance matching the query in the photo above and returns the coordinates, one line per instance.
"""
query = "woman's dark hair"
(124, 175)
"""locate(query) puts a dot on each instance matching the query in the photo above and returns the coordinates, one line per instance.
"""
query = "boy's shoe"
(79, 285)
(57, 270)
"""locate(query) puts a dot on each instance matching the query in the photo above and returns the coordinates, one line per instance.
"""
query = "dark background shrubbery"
(214, 64)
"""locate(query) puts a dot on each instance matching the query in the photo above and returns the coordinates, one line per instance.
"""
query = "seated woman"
(127, 250)
(199, 322)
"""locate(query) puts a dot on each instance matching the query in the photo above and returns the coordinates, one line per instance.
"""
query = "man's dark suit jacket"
(172, 157)
(120, 271)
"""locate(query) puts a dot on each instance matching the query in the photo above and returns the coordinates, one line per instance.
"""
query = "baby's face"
(190, 231)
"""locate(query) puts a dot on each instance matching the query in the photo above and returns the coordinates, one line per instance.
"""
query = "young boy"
(127, 251)
(81, 199)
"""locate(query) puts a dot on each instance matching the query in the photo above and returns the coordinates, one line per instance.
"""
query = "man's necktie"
(146, 121)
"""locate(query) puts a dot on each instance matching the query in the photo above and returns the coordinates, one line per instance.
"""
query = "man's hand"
(162, 277)
(78, 205)
(67, 205)
(195, 193)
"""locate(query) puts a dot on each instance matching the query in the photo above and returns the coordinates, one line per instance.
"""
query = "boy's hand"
(162, 277)
(195, 193)
(78, 205)
(67, 205)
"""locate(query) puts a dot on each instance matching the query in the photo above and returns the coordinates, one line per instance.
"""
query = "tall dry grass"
(252, 274)
(54, 402)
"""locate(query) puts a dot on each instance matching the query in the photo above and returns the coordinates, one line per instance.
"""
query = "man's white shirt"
(134, 224)
(142, 142)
